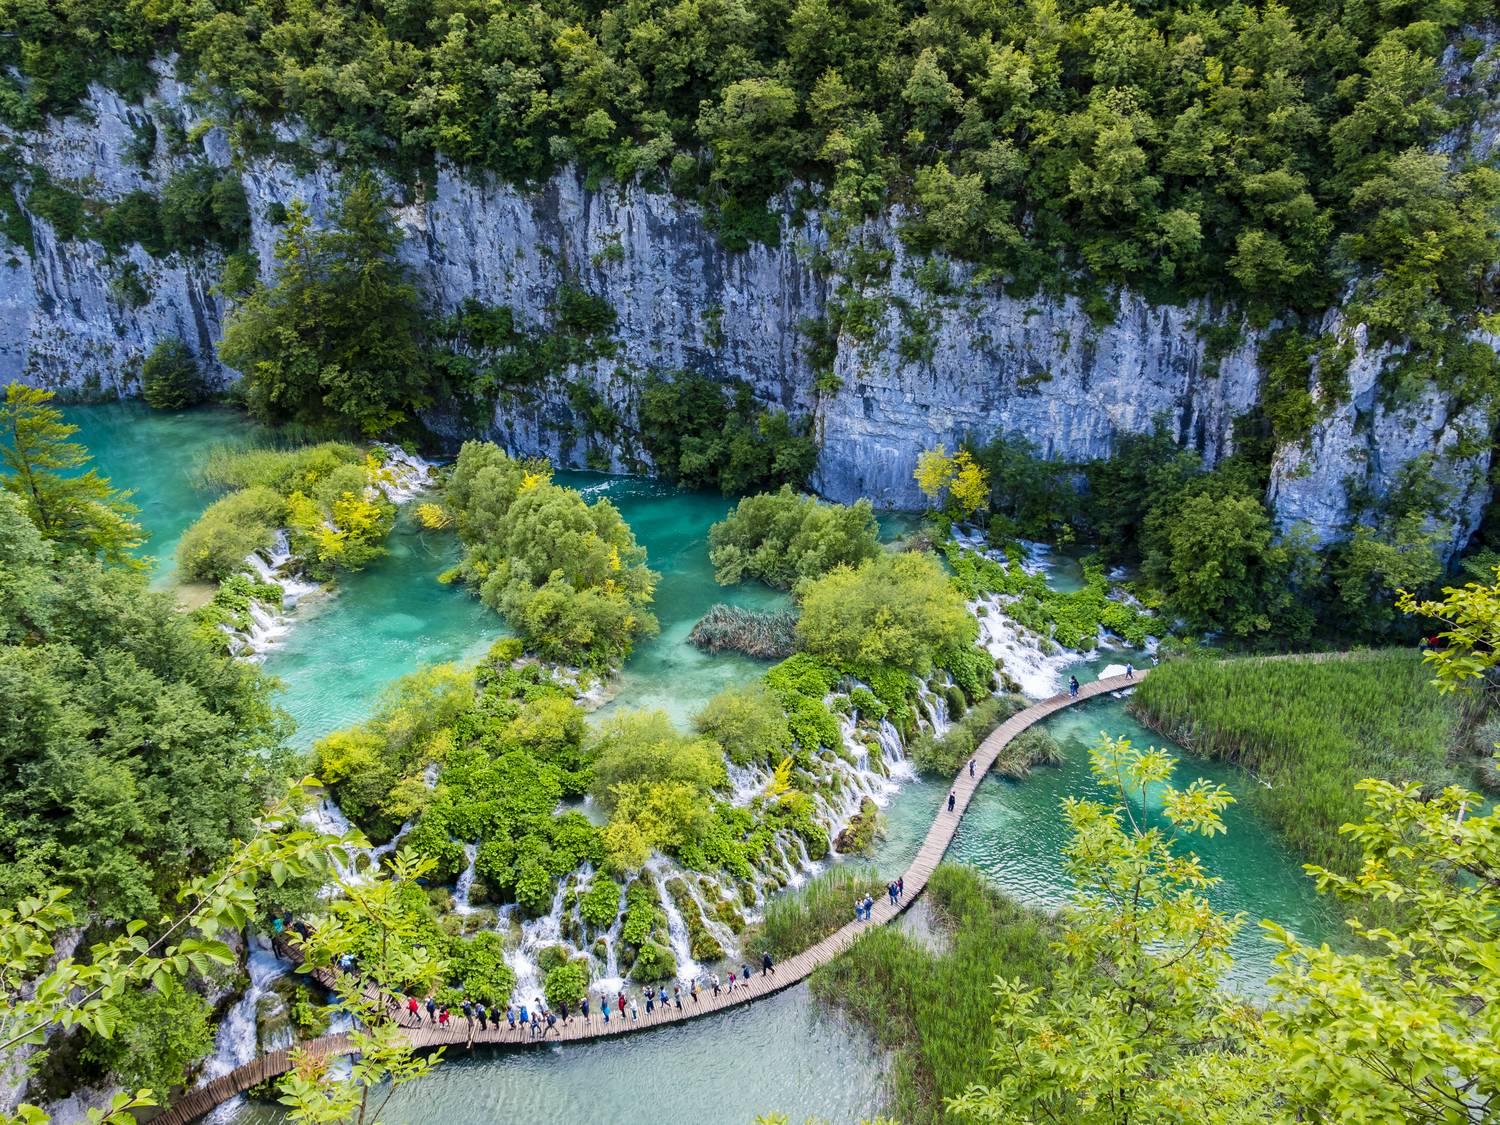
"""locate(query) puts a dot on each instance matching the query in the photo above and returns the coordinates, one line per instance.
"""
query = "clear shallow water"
(157, 454)
(1014, 832)
(777, 1055)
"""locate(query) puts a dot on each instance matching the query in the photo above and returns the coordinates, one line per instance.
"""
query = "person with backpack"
(952, 800)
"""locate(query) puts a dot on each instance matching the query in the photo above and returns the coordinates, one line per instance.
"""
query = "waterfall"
(402, 477)
(235, 1042)
(1023, 653)
(465, 881)
(677, 931)
(535, 934)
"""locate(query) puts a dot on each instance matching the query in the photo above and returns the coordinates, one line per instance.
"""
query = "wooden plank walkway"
(199, 1101)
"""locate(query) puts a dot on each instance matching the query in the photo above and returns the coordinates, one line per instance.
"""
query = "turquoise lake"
(780, 1055)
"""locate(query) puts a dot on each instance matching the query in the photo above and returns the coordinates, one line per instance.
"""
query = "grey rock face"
(944, 361)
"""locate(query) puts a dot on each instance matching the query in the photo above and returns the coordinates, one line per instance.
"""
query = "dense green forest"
(1261, 151)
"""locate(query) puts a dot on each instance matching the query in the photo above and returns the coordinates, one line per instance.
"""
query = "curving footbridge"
(197, 1102)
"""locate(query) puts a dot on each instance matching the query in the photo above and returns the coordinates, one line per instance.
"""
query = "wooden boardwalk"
(197, 1102)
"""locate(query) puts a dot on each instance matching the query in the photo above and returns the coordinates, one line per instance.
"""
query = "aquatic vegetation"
(763, 634)
(567, 983)
(801, 918)
(932, 1007)
(945, 755)
(1309, 728)
(783, 537)
(859, 835)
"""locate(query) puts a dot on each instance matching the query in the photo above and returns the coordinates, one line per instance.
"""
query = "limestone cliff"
(945, 360)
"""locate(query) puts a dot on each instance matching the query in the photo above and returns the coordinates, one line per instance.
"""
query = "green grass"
(804, 917)
(944, 756)
(931, 1009)
(1309, 728)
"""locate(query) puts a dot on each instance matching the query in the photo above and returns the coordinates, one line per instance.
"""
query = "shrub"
(703, 434)
(567, 575)
(748, 722)
(782, 537)
(895, 610)
(170, 376)
(477, 967)
(567, 984)
(600, 904)
(653, 963)
(217, 544)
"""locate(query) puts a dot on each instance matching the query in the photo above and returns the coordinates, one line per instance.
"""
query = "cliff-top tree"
(333, 342)
(76, 511)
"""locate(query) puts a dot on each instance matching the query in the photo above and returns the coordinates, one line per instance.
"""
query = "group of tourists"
(864, 907)
(539, 1019)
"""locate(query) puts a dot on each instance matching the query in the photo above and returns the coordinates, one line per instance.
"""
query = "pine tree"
(77, 511)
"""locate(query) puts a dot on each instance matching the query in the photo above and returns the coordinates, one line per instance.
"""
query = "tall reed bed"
(806, 916)
(1308, 728)
(764, 634)
(931, 1009)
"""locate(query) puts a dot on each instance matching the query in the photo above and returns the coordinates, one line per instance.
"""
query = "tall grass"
(768, 635)
(806, 916)
(943, 756)
(1309, 728)
(932, 1009)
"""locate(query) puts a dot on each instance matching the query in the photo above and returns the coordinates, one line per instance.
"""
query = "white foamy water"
(236, 1042)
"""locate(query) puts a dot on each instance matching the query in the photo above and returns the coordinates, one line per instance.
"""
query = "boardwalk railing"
(425, 1035)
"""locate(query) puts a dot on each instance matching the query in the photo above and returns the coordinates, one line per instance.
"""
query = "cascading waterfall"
(465, 881)
(402, 477)
(236, 1042)
(535, 935)
(677, 931)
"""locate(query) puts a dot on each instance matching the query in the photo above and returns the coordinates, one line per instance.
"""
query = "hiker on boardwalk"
(731, 982)
(765, 964)
(1130, 671)
(484, 1014)
(677, 996)
(952, 800)
(584, 1008)
(634, 1011)
(564, 1007)
(714, 980)
(900, 886)
(971, 765)
(552, 1024)
(693, 990)
(525, 1019)
(650, 1001)
(663, 998)
(621, 1001)
(468, 1011)
(415, 1011)
(1072, 687)
(745, 974)
(510, 1016)
(604, 1011)
(443, 1019)
(432, 1009)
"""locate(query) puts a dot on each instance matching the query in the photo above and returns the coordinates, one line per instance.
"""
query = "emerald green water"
(778, 1055)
